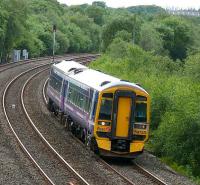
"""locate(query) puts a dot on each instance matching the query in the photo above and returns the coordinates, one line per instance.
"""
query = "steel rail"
(42, 137)
(149, 174)
(32, 60)
(12, 129)
(4, 67)
(10, 125)
(120, 174)
(22, 62)
(43, 91)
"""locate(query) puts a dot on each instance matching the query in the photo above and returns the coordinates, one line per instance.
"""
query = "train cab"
(122, 120)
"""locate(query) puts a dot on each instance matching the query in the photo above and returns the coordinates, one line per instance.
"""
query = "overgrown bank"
(175, 92)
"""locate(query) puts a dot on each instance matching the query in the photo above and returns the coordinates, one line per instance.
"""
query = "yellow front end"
(122, 121)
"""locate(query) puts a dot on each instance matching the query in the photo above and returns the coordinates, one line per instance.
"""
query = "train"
(110, 115)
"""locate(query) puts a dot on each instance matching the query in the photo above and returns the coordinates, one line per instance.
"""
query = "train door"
(63, 94)
(123, 114)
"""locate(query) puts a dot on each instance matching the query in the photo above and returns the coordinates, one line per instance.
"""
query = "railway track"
(134, 172)
(79, 164)
(41, 59)
(66, 169)
(6, 66)
(77, 57)
(152, 176)
(137, 171)
(13, 114)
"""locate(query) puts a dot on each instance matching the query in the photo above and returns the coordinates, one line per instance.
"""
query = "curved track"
(41, 153)
(91, 171)
(43, 138)
(11, 115)
(77, 57)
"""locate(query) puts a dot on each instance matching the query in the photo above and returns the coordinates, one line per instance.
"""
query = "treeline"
(27, 24)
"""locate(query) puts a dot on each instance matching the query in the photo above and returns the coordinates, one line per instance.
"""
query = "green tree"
(150, 39)
(88, 30)
(3, 23)
(47, 39)
(15, 25)
(192, 67)
(96, 13)
(146, 9)
(124, 35)
(130, 24)
(34, 45)
(118, 48)
(177, 37)
(99, 3)
(79, 42)
(63, 42)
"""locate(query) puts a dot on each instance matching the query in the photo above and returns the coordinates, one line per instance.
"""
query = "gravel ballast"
(15, 166)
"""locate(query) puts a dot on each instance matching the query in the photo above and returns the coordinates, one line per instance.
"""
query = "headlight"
(104, 123)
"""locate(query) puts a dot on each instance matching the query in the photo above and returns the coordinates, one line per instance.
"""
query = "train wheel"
(91, 144)
(87, 141)
(83, 135)
(55, 112)
(78, 131)
(72, 127)
(94, 146)
(62, 118)
(66, 124)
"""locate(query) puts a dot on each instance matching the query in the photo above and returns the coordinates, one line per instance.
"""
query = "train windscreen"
(106, 109)
(141, 112)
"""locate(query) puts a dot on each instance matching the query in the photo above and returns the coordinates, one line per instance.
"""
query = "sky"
(125, 3)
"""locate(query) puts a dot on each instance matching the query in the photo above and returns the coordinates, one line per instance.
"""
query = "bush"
(192, 67)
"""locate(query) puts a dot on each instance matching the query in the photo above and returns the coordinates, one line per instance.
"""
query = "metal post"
(54, 40)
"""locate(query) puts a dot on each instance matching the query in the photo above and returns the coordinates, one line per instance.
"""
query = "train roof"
(92, 78)
(66, 66)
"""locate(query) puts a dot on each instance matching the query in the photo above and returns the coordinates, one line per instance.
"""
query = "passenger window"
(78, 97)
(55, 82)
(70, 94)
(87, 104)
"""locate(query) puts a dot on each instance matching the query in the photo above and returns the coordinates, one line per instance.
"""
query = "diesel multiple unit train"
(108, 114)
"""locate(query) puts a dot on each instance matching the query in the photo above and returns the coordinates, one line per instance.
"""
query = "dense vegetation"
(175, 96)
(141, 44)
